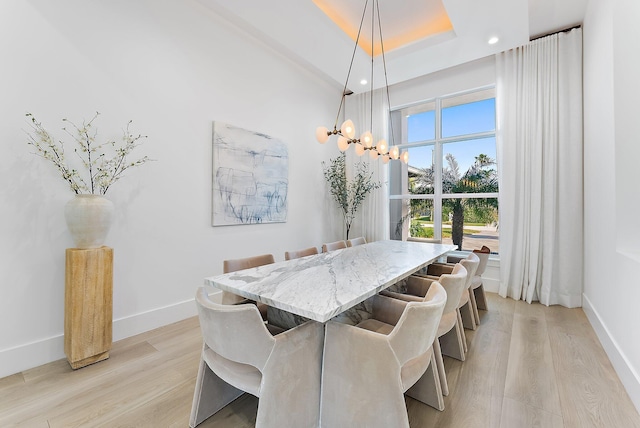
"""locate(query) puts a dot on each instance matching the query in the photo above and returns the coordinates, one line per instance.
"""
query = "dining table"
(322, 286)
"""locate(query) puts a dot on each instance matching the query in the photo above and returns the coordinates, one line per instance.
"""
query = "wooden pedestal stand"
(88, 305)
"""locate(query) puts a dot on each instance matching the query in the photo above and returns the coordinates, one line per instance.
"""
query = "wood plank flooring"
(527, 366)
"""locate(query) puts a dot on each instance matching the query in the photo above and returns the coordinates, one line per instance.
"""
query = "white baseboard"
(625, 371)
(491, 285)
(34, 354)
(145, 321)
(491, 276)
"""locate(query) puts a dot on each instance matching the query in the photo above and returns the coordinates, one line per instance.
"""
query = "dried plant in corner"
(103, 163)
(349, 194)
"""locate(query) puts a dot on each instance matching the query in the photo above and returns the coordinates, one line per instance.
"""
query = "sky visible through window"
(457, 121)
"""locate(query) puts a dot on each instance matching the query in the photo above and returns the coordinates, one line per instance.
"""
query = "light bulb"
(343, 143)
(405, 157)
(382, 147)
(322, 134)
(366, 139)
(394, 152)
(347, 129)
(385, 158)
(373, 154)
(359, 149)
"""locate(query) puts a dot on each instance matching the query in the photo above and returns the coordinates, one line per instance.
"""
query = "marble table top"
(322, 286)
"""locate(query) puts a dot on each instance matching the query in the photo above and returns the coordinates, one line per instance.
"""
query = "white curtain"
(372, 220)
(540, 145)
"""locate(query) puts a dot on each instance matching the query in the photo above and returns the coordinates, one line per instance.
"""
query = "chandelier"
(347, 132)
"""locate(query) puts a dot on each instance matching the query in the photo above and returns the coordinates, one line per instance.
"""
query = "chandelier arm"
(353, 55)
(386, 80)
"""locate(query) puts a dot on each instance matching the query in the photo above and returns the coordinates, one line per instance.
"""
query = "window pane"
(421, 211)
(469, 166)
(411, 218)
(421, 126)
(469, 118)
(420, 170)
(471, 223)
(397, 210)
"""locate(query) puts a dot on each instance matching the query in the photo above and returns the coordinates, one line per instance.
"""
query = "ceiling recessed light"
(493, 40)
(363, 82)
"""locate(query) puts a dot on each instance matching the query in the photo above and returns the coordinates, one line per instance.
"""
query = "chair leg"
(463, 338)
(428, 388)
(481, 298)
(451, 343)
(474, 307)
(442, 376)
(468, 320)
(211, 394)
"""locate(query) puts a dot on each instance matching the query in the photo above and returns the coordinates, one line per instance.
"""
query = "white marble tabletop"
(322, 286)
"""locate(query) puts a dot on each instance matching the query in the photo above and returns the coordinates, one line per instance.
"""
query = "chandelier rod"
(386, 80)
(375, 2)
(353, 55)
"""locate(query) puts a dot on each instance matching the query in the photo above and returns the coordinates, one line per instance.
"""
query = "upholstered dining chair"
(476, 293)
(368, 367)
(470, 263)
(240, 354)
(356, 241)
(450, 337)
(290, 255)
(245, 263)
(333, 246)
(478, 296)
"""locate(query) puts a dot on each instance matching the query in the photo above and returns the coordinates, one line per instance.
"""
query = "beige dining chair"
(450, 337)
(476, 293)
(471, 264)
(333, 246)
(290, 255)
(240, 354)
(234, 265)
(478, 296)
(368, 367)
(356, 241)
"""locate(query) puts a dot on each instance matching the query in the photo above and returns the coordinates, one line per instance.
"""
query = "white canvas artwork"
(250, 177)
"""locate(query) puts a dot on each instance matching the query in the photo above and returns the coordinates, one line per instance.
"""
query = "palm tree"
(479, 178)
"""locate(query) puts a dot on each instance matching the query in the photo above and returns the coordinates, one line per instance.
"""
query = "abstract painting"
(250, 177)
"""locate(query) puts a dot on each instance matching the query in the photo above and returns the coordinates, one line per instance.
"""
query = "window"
(449, 190)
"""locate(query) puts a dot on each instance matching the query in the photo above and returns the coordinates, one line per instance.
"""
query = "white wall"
(173, 67)
(611, 93)
(472, 75)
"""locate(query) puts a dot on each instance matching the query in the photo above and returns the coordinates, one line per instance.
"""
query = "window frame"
(469, 96)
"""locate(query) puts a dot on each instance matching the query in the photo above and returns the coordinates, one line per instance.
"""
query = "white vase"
(88, 219)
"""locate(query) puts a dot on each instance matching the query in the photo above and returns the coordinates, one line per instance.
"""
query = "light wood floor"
(528, 366)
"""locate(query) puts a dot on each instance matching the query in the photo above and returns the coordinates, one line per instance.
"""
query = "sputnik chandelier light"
(347, 132)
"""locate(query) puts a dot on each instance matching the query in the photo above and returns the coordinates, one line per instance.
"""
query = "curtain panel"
(540, 158)
(372, 219)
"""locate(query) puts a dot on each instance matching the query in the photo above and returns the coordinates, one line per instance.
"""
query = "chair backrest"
(417, 327)
(454, 284)
(290, 255)
(483, 255)
(247, 263)
(356, 241)
(333, 246)
(236, 332)
(471, 265)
